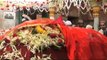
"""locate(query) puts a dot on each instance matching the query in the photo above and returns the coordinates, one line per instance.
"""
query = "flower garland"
(34, 38)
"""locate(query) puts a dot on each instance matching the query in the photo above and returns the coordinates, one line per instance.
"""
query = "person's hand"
(26, 16)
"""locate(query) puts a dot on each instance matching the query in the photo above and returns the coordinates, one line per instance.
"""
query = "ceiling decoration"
(16, 5)
(80, 4)
(83, 6)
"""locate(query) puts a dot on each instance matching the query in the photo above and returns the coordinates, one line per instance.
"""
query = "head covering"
(67, 23)
(89, 27)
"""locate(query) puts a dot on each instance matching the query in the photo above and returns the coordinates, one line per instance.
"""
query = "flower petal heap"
(27, 41)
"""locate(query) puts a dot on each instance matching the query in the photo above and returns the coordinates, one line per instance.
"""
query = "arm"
(26, 16)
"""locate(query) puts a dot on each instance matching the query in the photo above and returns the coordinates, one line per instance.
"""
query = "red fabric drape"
(81, 43)
(84, 44)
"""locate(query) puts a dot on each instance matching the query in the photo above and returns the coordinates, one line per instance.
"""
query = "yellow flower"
(39, 29)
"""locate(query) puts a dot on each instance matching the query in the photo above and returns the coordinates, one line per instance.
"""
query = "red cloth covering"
(84, 44)
(55, 54)
(81, 43)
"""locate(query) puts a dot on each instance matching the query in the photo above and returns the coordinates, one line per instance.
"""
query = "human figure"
(80, 23)
(102, 28)
(105, 32)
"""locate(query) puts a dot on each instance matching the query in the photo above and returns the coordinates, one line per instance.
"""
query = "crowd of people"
(80, 23)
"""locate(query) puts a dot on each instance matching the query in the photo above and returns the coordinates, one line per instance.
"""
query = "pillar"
(52, 13)
(96, 11)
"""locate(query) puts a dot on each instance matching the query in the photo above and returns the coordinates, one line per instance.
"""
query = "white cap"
(67, 22)
(89, 27)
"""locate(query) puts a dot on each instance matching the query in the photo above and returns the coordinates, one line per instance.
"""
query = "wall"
(7, 23)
